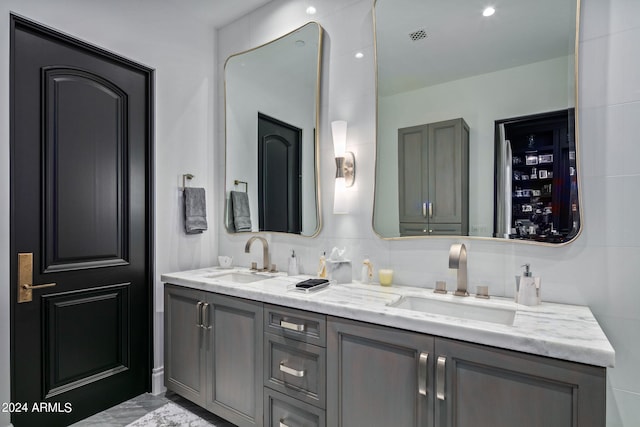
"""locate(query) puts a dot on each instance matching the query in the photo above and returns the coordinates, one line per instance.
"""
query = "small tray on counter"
(310, 285)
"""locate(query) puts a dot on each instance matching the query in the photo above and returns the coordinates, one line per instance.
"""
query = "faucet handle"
(482, 292)
(441, 287)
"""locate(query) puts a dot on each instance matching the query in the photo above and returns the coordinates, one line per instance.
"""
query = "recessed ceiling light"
(488, 11)
(359, 55)
(311, 10)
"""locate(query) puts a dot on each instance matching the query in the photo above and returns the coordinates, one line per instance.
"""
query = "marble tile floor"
(136, 408)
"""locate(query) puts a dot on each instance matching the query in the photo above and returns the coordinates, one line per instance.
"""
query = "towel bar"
(246, 185)
(185, 177)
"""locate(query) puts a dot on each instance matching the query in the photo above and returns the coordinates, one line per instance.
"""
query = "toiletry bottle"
(367, 271)
(293, 264)
(528, 288)
(322, 269)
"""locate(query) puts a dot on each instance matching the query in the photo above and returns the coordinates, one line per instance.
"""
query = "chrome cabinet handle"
(442, 361)
(430, 210)
(422, 373)
(290, 371)
(205, 315)
(424, 209)
(282, 424)
(292, 326)
(199, 308)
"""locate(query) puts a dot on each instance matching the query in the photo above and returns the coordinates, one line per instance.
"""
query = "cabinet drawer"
(296, 324)
(284, 411)
(295, 368)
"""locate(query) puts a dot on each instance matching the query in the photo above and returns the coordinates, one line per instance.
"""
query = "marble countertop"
(561, 331)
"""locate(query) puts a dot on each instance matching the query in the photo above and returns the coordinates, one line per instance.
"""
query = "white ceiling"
(219, 13)
(462, 43)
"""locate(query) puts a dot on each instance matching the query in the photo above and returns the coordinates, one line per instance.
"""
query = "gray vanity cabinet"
(213, 352)
(257, 364)
(433, 179)
(482, 386)
(378, 376)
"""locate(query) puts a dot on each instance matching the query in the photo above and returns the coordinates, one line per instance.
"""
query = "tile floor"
(136, 408)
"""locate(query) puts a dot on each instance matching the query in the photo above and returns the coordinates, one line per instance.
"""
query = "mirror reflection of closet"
(536, 190)
(438, 61)
(271, 120)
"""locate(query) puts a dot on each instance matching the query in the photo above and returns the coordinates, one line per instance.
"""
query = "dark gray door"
(234, 362)
(185, 343)
(378, 376)
(486, 386)
(279, 176)
(80, 219)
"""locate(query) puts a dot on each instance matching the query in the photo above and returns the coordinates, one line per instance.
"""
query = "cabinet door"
(492, 387)
(448, 172)
(234, 361)
(412, 176)
(378, 376)
(184, 343)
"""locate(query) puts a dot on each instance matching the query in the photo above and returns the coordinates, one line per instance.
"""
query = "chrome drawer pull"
(292, 326)
(442, 361)
(422, 374)
(205, 315)
(290, 371)
(199, 309)
(282, 424)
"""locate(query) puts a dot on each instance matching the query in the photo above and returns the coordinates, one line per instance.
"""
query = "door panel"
(81, 121)
(445, 171)
(99, 345)
(85, 201)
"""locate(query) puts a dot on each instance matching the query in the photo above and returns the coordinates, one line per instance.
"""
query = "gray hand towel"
(195, 210)
(240, 210)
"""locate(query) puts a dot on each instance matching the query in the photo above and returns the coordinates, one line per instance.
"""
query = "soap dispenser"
(293, 264)
(527, 288)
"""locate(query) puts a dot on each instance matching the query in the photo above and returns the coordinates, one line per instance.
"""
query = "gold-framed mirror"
(271, 121)
(502, 90)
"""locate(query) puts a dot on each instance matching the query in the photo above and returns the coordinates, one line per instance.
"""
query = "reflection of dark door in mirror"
(279, 176)
(543, 181)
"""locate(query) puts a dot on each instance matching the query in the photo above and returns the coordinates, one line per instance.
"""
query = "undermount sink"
(237, 277)
(482, 313)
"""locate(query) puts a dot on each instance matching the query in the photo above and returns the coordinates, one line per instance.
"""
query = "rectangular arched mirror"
(476, 120)
(271, 122)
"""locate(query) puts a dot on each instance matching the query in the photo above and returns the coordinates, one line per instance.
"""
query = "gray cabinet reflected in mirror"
(271, 120)
(507, 76)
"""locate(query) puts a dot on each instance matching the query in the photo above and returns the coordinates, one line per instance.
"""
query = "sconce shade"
(339, 132)
(340, 197)
(345, 166)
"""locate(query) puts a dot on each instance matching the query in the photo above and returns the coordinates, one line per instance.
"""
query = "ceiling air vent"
(418, 35)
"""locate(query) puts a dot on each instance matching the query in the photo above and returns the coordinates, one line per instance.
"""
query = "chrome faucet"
(458, 260)
(265, 251)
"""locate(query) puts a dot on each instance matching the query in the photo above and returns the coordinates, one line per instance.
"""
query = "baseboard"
(157, 381)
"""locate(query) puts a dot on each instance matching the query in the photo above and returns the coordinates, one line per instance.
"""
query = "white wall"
(181, 50)
(599, 269)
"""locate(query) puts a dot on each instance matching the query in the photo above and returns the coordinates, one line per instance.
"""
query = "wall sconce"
(345, 166)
